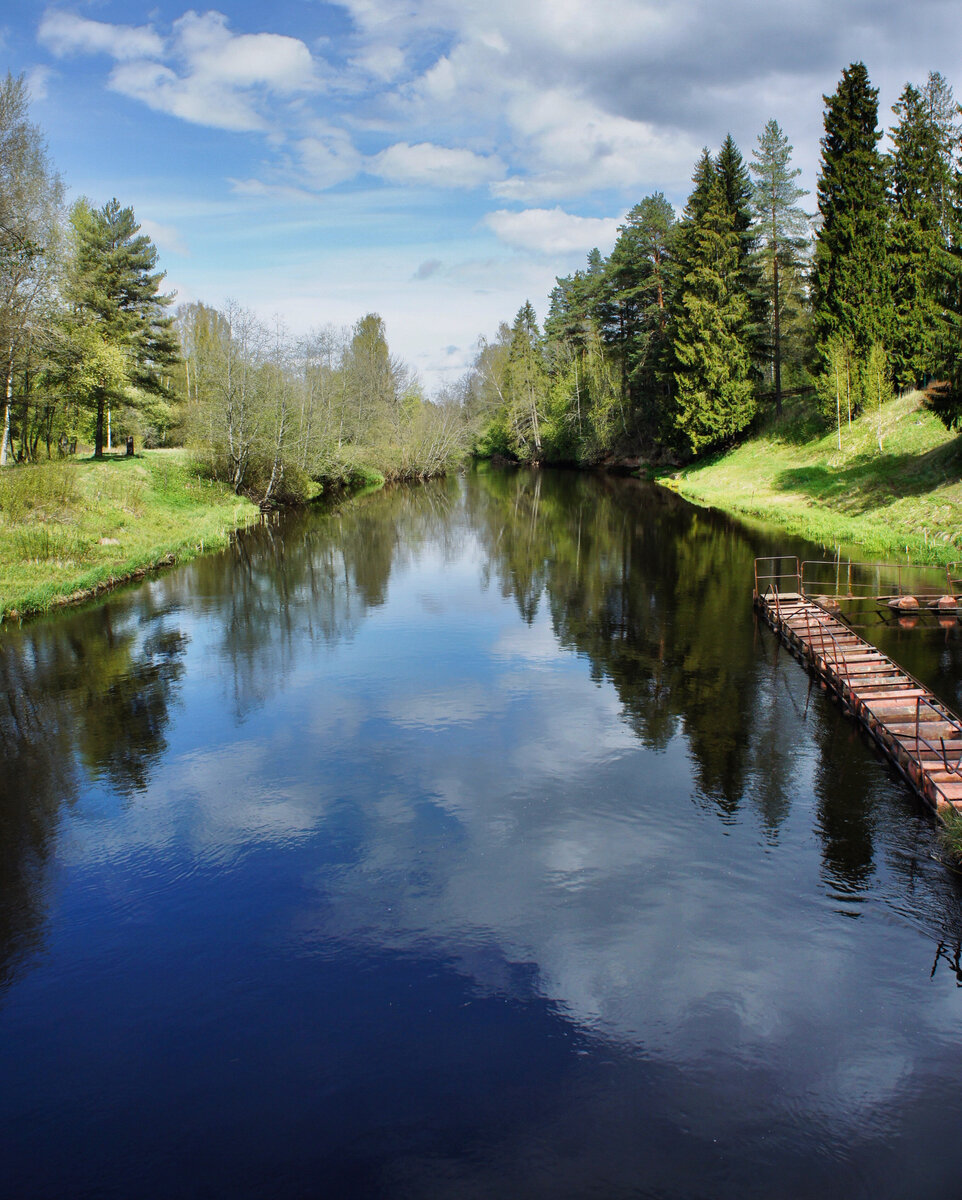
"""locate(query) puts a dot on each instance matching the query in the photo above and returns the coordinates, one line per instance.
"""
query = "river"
(472, 840)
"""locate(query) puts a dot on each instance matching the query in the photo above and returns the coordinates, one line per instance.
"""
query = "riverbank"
(70, 529)
(903, 499)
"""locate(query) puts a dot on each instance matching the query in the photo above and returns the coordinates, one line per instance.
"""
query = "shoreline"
(62, 598)
(903, 500)
(74, 529)
(101, 524)
(824, 527)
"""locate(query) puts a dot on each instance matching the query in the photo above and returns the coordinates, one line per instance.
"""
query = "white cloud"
(435, 166)
(204, 73)
(200, 101)
(214, 54)
(571, 147)
(327, 160)
(552, 230)
(38, 80)
(65, 33)
(165, 237)
(543, 104)
(261, 190)
(382, 60)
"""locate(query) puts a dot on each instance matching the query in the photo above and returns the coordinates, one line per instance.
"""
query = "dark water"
(472, 842)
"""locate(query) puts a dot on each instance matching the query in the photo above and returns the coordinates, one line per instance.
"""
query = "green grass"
(950, 834)
(904, 499)
(69, 529)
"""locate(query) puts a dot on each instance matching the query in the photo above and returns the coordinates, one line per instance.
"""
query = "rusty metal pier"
(919, 735)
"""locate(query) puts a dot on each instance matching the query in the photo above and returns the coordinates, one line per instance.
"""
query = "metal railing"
(829, 657)
(774, 577)
(935, 706)
(880, 581)
(944, 715)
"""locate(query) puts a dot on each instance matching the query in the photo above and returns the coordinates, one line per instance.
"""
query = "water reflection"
(471, 839)
(83, 700)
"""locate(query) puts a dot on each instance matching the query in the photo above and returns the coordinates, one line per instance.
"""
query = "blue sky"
(437, 162)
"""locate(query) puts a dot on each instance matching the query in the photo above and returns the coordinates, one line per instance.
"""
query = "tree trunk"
(6, 411)
(838, 406)
(777, 339)
(99, 433)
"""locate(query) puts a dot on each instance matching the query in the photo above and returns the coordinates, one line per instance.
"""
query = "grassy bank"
(903, 500)
(70, 529)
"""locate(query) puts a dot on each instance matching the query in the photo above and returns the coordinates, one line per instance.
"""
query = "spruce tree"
(737, 186)
(850, 281)
(713, 390)
(685, 237)
(923, 231)
(114, 294)
(782, 234)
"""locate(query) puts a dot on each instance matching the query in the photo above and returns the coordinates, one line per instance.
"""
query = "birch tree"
(31, 200)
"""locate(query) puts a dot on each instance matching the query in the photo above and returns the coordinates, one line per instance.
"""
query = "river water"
(471, 841)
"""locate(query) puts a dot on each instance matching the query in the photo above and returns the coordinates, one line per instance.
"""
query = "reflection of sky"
(450, 787)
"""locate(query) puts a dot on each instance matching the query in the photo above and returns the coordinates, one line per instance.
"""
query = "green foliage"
(850, 274)
(844, 490)
(44, 491)
(31, 197)
(73, 526)
(877, 382)
(117, 340)
(46, 543)
(277, 418)
(839, 384)
(783, 237)
(944, 399)
(950, 832)
(714, 396)
(642, 281)
(526, 386)
(924, 238)
(739, 192)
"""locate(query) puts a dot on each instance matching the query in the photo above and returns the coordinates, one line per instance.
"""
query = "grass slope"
(69, 529)
(904, 499)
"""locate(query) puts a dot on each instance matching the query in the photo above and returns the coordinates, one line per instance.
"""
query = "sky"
(438, 162)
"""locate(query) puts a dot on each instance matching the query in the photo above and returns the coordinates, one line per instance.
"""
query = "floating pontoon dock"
(920, 735)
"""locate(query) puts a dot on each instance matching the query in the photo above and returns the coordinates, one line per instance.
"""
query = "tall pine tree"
(850, 281)
(782, 234)
(641, 275)
(117, 310)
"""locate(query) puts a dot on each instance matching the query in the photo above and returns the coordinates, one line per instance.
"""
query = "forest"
(667, 349)
(695, 326)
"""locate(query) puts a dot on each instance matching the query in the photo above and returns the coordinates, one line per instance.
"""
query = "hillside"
(903, 500)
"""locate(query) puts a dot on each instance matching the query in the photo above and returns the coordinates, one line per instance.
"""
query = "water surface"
(472, 841)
